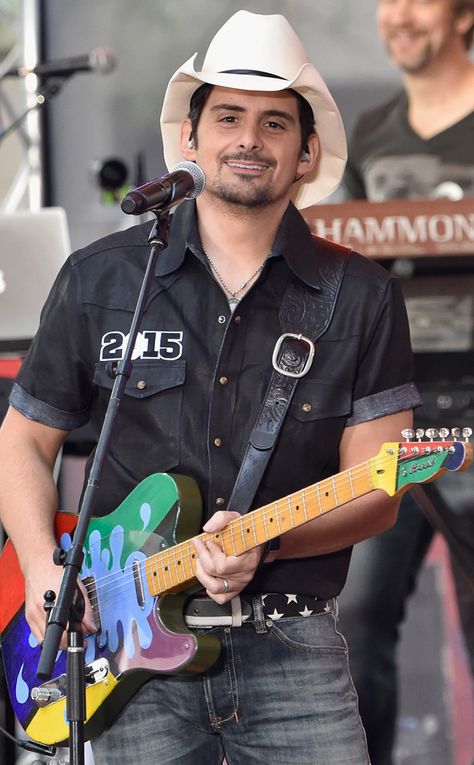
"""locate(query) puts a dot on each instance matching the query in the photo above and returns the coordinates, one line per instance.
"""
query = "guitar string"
(308, 492)
(168, 578)
(170, 557)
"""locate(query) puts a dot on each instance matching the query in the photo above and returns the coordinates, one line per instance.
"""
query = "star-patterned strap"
(202, 611)
(277, 606)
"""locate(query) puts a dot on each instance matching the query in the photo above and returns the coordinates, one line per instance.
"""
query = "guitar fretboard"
(171, 569)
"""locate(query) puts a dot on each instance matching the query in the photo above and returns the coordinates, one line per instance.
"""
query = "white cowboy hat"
(261, 52)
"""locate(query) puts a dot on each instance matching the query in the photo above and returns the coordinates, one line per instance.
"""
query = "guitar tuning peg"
(466, 433)
(456, 433)
(432, 433)
(444, 433)
(408, 434)
(419, 433)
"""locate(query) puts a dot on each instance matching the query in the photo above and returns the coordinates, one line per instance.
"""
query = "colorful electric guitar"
(140, 561)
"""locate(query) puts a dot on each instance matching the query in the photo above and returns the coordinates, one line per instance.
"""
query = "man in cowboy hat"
(240, 269)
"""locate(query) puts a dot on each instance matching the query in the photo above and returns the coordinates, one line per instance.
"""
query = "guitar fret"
(159, 577)
(242, 531)
(178, 568)
(305, 509)
(265, 524)
(186, 561)
(165, 569)
(334, 489)
(192, 558)
(252, 520)
(325, 499)
(351, 483)
(277, 515)
(290, 510)
(318, 497)
(248, 527)
(232, 542)
(172, 567)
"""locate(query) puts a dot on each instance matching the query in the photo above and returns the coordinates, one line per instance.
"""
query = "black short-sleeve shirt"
(200, 372)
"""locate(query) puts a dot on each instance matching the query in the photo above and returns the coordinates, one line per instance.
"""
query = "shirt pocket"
(149, 417)
(308, 446)
(317, 400)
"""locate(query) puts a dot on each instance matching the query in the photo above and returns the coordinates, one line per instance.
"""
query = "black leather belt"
(204, 612)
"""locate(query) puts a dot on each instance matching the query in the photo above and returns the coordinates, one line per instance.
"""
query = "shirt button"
(220, 501)
(221, 319)
(218, 442)
(141, 384)
(223, 380)
(237, 319)
(307, 408)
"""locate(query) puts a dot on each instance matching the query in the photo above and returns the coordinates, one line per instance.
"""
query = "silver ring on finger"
(226, 585)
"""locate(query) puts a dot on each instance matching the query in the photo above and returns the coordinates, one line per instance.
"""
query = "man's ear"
(308, 158)
(187, 142)
(464, 21)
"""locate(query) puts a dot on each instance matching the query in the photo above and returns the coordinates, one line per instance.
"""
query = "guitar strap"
(305, 314)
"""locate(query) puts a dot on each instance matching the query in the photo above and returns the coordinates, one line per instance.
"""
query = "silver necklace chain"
(221, 281)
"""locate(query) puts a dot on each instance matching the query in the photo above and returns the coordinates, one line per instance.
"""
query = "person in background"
(420, 143)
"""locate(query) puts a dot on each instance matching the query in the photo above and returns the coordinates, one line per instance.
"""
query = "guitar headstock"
(423, 456)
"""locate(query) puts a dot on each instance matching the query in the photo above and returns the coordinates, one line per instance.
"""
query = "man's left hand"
(224, 576)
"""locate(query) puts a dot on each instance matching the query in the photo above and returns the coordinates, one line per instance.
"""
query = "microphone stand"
(68, 610)
(43, 96)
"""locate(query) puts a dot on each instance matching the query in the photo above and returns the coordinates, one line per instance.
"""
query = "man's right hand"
(44, 575)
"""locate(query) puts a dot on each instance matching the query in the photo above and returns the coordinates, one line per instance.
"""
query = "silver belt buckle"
(309, 359)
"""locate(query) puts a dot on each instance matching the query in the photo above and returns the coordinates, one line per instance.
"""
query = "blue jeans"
(280, 692)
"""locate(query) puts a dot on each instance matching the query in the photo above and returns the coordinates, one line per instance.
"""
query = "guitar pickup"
(137, 579)
(89, 584)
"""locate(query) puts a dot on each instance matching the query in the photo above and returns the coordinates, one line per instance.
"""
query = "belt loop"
(236, 606)
(259, 618)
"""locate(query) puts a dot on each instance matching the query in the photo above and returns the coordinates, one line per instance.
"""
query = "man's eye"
(275, 125)
(228, 118)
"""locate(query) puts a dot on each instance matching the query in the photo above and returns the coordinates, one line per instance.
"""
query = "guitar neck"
(172, 569)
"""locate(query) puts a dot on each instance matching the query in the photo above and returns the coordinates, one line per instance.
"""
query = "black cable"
(31, 746)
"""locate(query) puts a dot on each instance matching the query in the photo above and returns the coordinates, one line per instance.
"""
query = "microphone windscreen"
(103, 60)
(197, 174)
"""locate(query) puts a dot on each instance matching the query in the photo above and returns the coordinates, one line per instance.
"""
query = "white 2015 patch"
(148, 345)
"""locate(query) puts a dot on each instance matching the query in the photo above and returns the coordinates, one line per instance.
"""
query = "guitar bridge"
(56, 689)
(96, 671)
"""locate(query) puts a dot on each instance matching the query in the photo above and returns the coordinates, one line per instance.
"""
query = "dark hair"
(459, 7)
(200, 96)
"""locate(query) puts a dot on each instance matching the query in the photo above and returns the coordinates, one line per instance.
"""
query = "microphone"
(99, 60)
(186, 181)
